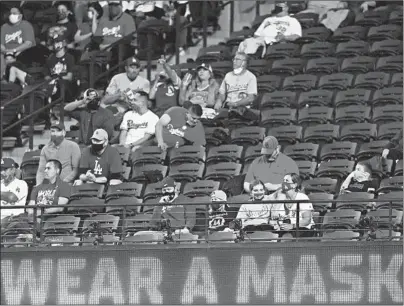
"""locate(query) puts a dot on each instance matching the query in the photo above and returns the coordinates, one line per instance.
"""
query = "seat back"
(224, 153)
(289, 134)
(391, 184)
(345, 235)
(125, 189)
(104, 221)
(61, 225)
(317, 49)
(277, 116)
(222, 171)
(261, 237)
(141, 174)
(358, 132)
(323, 65)
(278, 99)
(307, 168)
(200, 188)
(321, 133)
(355, 96)
(319, 97)
(86, 191)
(387, 95)
(149, 155)
(277, 51)
(320, 185)
(383, 32)
(348, 34)
(359, 64)
(300, 82)
(302, 151)
(387, 47)
(352, 48)
(372, 80)
(388, 130)
(315, 115)
(248, 135)
(339, 168)
(341, 219)
(268, 83)
(251, 153)
(187, 172)
(336, 81)
(187, 154)
(352, 114)
(287, 67)
(322, 202)
(338, 150)
(390, 64)
(387, 113)
(356, 200)
(313, 34)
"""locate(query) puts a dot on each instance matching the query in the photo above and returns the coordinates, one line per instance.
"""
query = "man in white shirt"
(121, 82)
(139, 123)
(13, 190)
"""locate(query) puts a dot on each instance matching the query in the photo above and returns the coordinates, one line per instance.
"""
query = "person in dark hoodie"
(394, 149)
(173, 207)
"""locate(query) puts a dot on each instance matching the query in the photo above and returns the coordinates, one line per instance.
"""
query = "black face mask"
(62, 15)
(170, 195)
(93, 105)
(97, 147)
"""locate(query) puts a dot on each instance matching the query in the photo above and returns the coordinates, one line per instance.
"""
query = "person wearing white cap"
(271, 167)
(218, 216)
(100, 163)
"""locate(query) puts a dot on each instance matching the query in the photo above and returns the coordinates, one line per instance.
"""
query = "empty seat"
(322, 65)
(238, 36)
(391, 184)
(221, 237)
(60, 225)
(144, 237)
(338, 168)
(397, 80)
(285, 50)
(385, 219)
(392, 199)
(301, 82)
(287, 67)
(341, 219)
(251, 153)
(388, 130)
(87, 191)
(322, 133)
(390, 64)
(224, 153)
(336, 81)
(317, 49)
(341, 235)
(268, 83)
(139, 173)
(248, 135)
(123, 206)
(387, 47)
(258, 66)
(372, 80)
(124, 190)
(123, 153)
(278, 99)
(370, 149)
(383, 32)
(222, 171)
(29, 166)
(140, 222)
(287, 134)
(338, 150)
(358, 132)
(355, 96)
(396, 17)
(307, 168)
(319, 97)
(185, 238)
(398, 171)
(359, 201)
(277, 116)
(214, 53)
(387, 113)
(311, 35)
(321, 185)
(387, 95)
(149, 155)
(187, 154)
(104, 223)
(200, 188)
(307, 20)
(349, 33)
(352, 114)
(315, 115)
(371, 18)
(302, 151)
(359, 64)
(211, 137)
(86, 206)
(322, 202)
(352, 48)
(260, 237)
(188, 172)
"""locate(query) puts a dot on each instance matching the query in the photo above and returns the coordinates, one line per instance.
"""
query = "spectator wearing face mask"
(394, 149)
(90, 115)
(360, 180)
(100, 163)
(180, 126)
(283, 216)
(173, 206)
(255, 214)
(88, 28)
(271, 167)
(130, 79)
(238, 91)
(13, 190)
(64, 150)
(165, 89)
(219, 217)
(139, 123)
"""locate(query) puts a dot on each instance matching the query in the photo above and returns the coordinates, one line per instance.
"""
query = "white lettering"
(200, 269)
(67, 281)
(14, 285)
(106, 283)
(250, 275)
(338, 273)
(146, 275)
(308, 268)
(388, 278)
(14, 36)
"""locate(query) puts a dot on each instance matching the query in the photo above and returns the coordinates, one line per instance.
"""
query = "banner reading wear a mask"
(303, 273)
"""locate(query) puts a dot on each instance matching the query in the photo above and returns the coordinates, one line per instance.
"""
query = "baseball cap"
(218, 195)
(146, 7)
(7, 163)
(132, 61)
(167, 182)
(58, 125)
(205, 66)
(269, 145)
(90, 94)
(100, 135)
(114, 2)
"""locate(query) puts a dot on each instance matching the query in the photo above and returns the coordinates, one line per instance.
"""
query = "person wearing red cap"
(100, 163)
(173, 206)
(66, 151)
(271, 167)
(13, 190)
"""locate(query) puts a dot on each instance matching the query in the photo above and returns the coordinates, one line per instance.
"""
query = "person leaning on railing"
(283, 216)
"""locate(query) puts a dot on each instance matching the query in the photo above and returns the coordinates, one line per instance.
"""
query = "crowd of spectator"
(168, 113)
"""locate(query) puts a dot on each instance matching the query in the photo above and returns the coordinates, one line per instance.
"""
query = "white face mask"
(14, 18)
(361, 176)
(90, 15)
(238, 70)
